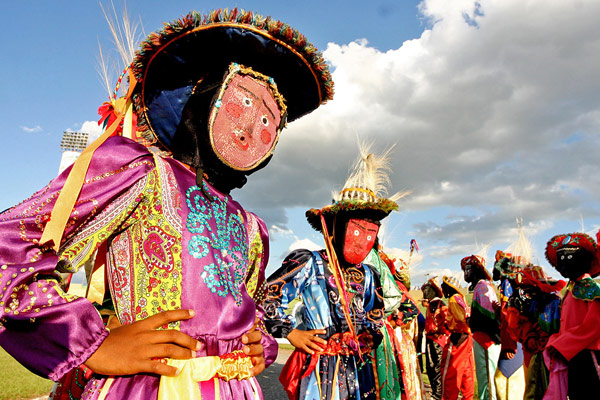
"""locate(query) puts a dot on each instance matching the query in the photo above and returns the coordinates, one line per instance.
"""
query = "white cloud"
(92, 128)
(304, 244)
(494, 109)
(33, 129)
(281, 231)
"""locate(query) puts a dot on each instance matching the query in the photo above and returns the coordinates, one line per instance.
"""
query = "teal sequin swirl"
(225, 275)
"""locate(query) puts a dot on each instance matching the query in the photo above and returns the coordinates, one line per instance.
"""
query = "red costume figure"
(458, 365)
(577, 344)
(529, 316)
(436, 333)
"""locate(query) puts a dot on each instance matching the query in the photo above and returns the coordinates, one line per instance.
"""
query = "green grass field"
(17, 383)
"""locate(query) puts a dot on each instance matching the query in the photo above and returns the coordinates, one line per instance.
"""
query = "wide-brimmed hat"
(434, 283)
(194, 52)
(364, 194)
(477, 262)
(193, 55)
(452, 282)
(577, 239)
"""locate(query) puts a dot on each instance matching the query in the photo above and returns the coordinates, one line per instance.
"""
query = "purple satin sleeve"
(46, 330)
(270, 346)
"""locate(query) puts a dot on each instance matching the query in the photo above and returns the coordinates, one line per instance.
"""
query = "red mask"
(359, 239)
(245, 123)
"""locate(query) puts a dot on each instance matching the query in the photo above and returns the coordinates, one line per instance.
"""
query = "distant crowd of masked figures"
(359, 334)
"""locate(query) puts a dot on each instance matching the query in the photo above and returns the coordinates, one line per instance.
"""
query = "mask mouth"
(240, 137)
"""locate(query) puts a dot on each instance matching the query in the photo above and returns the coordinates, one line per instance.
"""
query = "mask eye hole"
(247, 101)
(356, 232)
(369, 237)
(265, 120)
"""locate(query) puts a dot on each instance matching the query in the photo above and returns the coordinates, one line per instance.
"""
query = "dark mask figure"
(573, 262)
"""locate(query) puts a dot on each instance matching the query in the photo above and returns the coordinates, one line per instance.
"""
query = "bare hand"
(555, 354)
(254, 348)
(508, 354)
(137, 347)
(496, 306)
(307, 341)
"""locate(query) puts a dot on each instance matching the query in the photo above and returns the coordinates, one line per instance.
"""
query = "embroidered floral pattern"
(155, 247)
(145, 263)
(586, 289)
(213, 227)
(255, 258)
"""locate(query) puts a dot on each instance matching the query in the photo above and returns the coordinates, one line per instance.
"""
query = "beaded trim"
(228, 242)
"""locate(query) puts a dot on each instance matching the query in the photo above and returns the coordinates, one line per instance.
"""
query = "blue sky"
(492, 105)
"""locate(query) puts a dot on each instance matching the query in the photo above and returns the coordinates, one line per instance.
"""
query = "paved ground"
(269, 379)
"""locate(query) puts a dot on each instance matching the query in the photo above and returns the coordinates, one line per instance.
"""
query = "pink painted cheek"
(265, 136)
(233, 109)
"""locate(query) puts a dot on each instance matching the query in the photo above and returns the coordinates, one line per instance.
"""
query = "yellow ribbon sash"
(184, 386)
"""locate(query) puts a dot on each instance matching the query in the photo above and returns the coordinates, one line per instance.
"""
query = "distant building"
(71, 145)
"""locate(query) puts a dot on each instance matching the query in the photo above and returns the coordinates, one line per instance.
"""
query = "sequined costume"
(344, 370)
(167, 247)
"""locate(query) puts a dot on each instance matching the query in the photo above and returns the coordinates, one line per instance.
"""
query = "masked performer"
(407, 332)
(577, 344)
(458, 365)
(436, 333)
(532, 314)
(212, 93)
(510, 376)
(342, 295)
(385, 355)
(484, 324)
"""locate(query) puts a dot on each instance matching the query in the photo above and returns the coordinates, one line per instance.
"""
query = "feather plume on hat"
(369, 178)
(517, 255)
(365, 191)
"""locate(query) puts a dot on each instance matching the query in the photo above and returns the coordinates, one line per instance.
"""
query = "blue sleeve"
(285, 285)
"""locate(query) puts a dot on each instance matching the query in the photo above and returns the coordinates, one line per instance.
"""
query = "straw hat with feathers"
(364, 193)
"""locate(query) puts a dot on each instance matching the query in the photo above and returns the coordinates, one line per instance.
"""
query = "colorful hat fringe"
(576, 239)
(160, 42)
